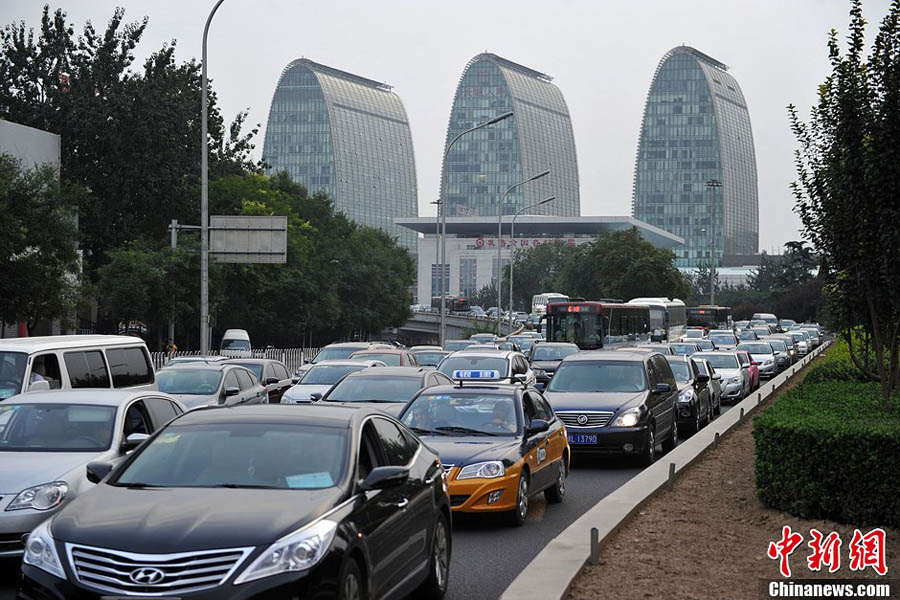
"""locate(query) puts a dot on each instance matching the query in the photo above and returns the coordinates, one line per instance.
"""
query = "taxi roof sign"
(484, 374)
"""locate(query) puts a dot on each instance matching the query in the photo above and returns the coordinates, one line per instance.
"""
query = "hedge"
(836, 365)
(831, 451)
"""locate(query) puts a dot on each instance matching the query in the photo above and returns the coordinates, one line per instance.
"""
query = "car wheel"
(698, 423)
(518, 514)
(435, 586)
(557, 492)
(672, 442)
(649, 456)
(350, 585)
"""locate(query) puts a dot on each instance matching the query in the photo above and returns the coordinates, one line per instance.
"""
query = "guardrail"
(551, 572)
(291, 357)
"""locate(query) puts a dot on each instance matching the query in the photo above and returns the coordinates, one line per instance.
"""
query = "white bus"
(539, 302)
(667, 318)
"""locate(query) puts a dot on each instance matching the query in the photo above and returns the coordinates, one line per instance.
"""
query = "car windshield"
(56, 427)
(188, 381)
(684, 349)
(339, 353)
(524, 342)
(12, 371)
(746, 335)
(390, 359)
(462, 414)
(681, 370)
(701, 367)
(430, 359)
(693, 333)
(235, 345)
(778, 345)
(722, 361)
(328, 374)
(542, 352)
(599, 376)
(375, 389)
(477, 363)
(705, 344)
(255, 367)
(241, 455)
(720, 339)
(756, 348)
(455, 346)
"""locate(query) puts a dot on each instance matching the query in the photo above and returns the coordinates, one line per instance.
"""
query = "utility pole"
(713, 185)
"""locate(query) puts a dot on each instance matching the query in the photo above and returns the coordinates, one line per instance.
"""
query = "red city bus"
(593, 325)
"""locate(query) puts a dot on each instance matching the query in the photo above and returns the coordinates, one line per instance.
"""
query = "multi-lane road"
(487, 554)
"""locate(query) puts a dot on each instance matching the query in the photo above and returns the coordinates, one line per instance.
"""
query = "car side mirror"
(133, 441)
(703, 378)
(537, 426)
(315, 397)
(97, 471)
(232, 391)
(272, 381)
(381, 478)
(717, 376)
(295, 380)
(662, 388)
(40, 385)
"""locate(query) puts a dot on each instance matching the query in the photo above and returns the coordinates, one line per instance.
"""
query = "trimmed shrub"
(835, 366)
(831, 451)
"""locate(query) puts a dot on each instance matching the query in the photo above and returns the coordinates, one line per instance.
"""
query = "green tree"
(848, 183)
(537, 270)
(38, 244)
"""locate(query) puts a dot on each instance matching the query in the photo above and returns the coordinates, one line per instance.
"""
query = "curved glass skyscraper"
(349, 137)
(484, 163)
(696, 135)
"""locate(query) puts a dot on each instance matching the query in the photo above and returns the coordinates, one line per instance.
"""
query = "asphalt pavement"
(487, 553)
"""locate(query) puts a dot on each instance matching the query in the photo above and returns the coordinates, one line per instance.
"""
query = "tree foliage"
(537, 270)
(38, 244)
(848, 185)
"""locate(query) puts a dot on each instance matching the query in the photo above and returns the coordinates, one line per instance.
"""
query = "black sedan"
(254, 502)
(545, 358)
(695, 403)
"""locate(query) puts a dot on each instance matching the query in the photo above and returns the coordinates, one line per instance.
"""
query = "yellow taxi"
(500, 443)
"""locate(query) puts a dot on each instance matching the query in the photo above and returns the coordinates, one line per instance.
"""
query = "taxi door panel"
(537, 447)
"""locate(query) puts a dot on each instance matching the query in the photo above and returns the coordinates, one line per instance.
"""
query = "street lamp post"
(204, 196)
(500, 239)
(512, 237)
(712, 185)
(443, 208)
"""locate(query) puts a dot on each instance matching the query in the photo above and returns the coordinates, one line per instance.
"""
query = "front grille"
(12, 542)
(585, 418)
(458, 499)
(138, 574)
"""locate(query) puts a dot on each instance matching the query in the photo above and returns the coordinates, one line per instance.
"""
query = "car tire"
(350, 582)
(557, 492)
(435, 585)
(649, 455)
(698, 422)
(517, 515)
(709, 413)
(671, 442)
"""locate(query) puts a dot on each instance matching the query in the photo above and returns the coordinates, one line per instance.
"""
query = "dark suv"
(616, 402)
(695, 406)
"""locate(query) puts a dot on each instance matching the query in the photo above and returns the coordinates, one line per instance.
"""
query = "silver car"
(735, 379)
(321, 377)
(211, 384)
(48, 438)
(763, 354)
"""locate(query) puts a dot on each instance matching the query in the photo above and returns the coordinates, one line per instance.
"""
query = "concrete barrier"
(550, 573)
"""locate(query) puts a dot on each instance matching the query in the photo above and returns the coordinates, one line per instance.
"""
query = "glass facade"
(436, 280)
(468, 277)
(696, 129)
(346, 136)
(484, 163)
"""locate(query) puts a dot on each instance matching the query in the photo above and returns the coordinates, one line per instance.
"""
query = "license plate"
(582, 438)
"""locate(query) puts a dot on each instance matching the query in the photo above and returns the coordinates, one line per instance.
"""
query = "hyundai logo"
(147, 576)
(582, 419)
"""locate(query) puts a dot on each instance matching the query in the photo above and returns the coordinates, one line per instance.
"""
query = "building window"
(436, 279)
(503, 263)
(467, 277)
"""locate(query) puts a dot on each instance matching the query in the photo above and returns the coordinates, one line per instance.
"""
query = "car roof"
(555, 344)
(427, 349)
(411, 371)
(703, 353)
(488, 353)
(250, 361)
(362, 345)
(341, 363)
(201, 365)
(477, 386)
(678, 357)
(53, 342)
(381, 351)
(103, 397)
(617, 355)
(341, 415)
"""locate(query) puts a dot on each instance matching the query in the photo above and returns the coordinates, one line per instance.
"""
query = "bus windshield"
(583, 329)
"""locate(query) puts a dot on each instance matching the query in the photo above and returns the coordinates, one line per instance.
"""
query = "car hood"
(547, 365)
(463, 451)
(301, 392)
(593, 400)
(23, 470)
(195, 400)
(166, 520)
(762, 357)
(728, 373)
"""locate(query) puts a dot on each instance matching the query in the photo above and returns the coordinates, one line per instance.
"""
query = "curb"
(551, 572)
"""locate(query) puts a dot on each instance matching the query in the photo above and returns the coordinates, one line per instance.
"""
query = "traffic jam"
(233, 476)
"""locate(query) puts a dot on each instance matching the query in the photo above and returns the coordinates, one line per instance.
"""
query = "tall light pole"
(204, 196)
(443, 208)
(712, 185)
(500, 239)
(512, 237)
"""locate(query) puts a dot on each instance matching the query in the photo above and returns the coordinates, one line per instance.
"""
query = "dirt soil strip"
(707, 538)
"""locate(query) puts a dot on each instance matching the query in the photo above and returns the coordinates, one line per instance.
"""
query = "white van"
(62, 362)
(235, 343)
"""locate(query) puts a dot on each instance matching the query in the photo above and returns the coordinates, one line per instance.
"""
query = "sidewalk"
(708, 537)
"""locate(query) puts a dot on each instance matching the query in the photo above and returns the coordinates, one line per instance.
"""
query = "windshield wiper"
(137, 485)
(251, 486)
(457, 429)
(422, 431)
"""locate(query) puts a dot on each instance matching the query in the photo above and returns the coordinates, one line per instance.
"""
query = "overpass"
(424, 327)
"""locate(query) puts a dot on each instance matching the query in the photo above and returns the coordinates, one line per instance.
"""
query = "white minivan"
(62, 362)
(235, 343)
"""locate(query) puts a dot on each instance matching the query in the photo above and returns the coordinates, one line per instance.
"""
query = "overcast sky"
(601, 54)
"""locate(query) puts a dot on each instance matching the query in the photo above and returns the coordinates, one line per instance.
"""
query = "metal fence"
(291, 357)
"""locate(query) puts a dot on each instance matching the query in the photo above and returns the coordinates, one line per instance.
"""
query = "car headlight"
(539, 372)
(41, 497)
(40, 551)
(734, 380)
(767, 362)
(483, 470)
(687, 395)
(296, 551)
(628, 418)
